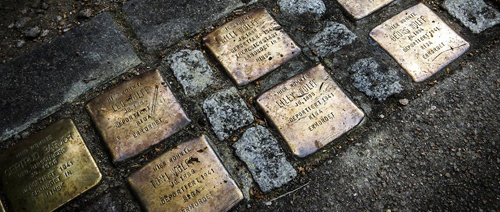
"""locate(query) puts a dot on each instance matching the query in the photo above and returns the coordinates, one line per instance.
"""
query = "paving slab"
(191, 70)
(161, 23)
(227, 112)
(264, 158)
(38, 83)
(474, 14)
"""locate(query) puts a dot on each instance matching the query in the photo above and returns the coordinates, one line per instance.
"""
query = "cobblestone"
(191, 70)
(375, 81)
(227, 112)
(331, 39)
(474, 14)
(263, 156)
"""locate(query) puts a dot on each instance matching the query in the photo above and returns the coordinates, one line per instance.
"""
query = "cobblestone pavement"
(430, 145)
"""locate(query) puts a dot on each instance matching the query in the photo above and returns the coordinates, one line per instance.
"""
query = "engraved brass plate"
(362, 8)
(310, 110)
(419, 41)
(137, 114)
(189, 177)
(48, 169)
(250, 46)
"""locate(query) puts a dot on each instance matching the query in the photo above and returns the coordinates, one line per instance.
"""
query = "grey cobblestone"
(331, 39)
(191, 70)
(474, 14)
(375, 81)
(227, 112)
(264, 158)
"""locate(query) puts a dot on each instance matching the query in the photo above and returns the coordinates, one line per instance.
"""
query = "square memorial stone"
(310, 110)
(189, 177)
(48, 169)
(137, 114)
(362, 8)
(419, 41)
(251, 46)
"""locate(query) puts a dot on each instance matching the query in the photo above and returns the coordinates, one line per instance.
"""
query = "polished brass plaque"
(250, 46)
(189, 177)
(48, 169)
(310, 110)
(362, 8)
(137, 114)
(419, 41)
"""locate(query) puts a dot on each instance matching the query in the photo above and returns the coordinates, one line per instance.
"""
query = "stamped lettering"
(251, 46)
(189, 177)
(420, 41)
(137, 114)
(48, 169)
(310, 110)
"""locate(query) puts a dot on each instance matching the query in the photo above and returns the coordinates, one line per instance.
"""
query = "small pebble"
(44, 33)
(20, 23)
(404, 102)
(20, 43)
(33, 32)
(85, 13)
(448, 175)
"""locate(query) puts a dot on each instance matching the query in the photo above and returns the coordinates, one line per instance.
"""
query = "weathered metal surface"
(136, 115)
(310, 110)
(189, 177)
(362, 8)
(48, 169)
(420, 41)
(251, 46)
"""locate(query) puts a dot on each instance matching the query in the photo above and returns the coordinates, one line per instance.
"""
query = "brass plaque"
(189, 177)
(310, 110)
(250, 46)
(48, 169)
(362, 8)
(419, 41)
(136, 115)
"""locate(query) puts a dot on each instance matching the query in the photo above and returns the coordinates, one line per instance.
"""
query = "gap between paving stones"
(113, 173)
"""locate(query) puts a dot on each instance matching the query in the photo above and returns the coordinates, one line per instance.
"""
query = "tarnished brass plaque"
(250, 46)
(362, 8)
(136, 115)
(419, 41)
(48, 169)
(310, 110)
(189, 177)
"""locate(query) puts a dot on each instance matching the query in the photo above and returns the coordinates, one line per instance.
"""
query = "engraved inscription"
(188, 178)
(137, 114)
(362, 8)
(310, 110)
(48, 169)
(251, 46)
(419, 41)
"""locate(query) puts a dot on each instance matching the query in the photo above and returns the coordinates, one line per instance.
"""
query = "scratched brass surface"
(309, 110)
(419, 41)
(189, 177)
(251, 46)
(362, 8)
(137, 114)
(48, 169)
